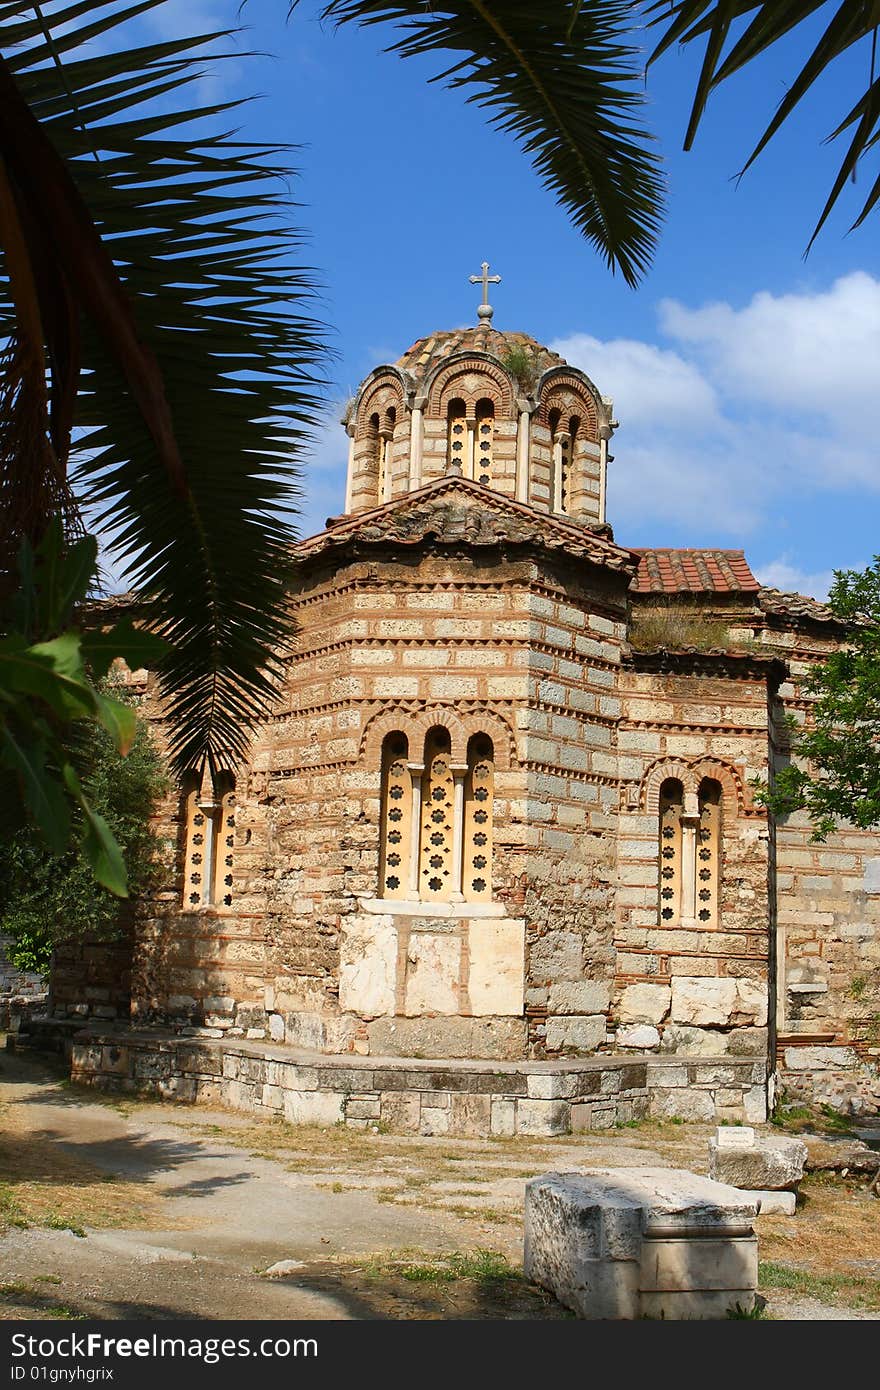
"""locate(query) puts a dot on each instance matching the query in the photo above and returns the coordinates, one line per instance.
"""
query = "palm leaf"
(850, 22)
(196, 224)
(564, 79)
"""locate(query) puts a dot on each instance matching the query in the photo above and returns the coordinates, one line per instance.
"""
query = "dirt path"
(138, 1210)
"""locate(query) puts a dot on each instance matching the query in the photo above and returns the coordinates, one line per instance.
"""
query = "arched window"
(386, 439)
(436, 821)
(396, 818)
(671, 810)
(436, 867)
(377, 447)
(690, 854)
(484, 430)
(708, 851)
(456, 434)
(210, 838)
(478, 798)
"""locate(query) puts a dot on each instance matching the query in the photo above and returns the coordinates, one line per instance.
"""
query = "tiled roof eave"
(698, 661)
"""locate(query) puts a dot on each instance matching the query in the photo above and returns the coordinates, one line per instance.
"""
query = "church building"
(496, 862)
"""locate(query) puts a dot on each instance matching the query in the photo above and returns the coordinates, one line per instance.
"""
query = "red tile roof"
(667, 571)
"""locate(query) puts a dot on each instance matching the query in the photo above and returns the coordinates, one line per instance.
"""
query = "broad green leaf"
(98, 843)
(103, 853)
(136, 647)
(50, 671)
(119, 720)
(40, 788)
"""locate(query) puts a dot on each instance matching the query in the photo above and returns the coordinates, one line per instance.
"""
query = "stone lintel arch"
(732, 785)
(416, 725)
(691, 774)
(571, 394)
(384, 387)
(449, 381)
(660, 773)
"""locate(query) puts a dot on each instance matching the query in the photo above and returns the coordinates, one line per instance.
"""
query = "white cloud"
(649, 384)
(747, 409)
(815, 353)
(782, 574)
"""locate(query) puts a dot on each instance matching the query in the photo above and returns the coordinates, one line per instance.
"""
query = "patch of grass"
(847, 1290)
(490, 1215)
(62, 1223)
(748, 1314)
(822, 1119)
(486, 1267)
(672, 627)
(11, 1214)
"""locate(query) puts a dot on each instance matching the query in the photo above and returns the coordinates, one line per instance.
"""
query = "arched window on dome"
(210, 838)
(396, 826)
(386, 438)
(457, 435)
(484, 430)
(377, 449)
(564, 435)
(479, 795)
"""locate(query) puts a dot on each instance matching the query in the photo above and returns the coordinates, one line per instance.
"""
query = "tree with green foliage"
(836, 775)
(47, 898)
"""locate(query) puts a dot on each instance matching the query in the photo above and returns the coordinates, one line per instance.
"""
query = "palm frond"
(196, 224)
(850, 22)
(564, 79)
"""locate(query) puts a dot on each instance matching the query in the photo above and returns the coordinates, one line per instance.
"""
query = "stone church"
(496, 863)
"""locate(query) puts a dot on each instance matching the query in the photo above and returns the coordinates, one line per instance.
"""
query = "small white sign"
(735, 1137)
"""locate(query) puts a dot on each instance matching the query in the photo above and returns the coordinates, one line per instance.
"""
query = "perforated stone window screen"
(708, 856)
(209, 845)
(456, 434)
(484, 438)
(479, 797)
(436, 869)
(396, 818)
(671, 810)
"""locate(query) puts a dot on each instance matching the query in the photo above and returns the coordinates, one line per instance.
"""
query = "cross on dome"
(485, 311)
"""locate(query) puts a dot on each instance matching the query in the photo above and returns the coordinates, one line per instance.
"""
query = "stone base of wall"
(417, 1096)
(829, 1075)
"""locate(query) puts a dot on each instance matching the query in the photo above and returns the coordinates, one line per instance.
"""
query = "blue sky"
(745, 378)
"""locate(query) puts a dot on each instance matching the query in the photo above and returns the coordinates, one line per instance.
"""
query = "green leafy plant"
(47, 899)
(524, 365)
(837, 773)
(48, 674)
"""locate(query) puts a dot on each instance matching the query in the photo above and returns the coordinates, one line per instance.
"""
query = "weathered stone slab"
(496, 967)
(776, 1203)
(773, 1163)
(647, 1242)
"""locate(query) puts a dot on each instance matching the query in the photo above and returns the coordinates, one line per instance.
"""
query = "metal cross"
(485, 311)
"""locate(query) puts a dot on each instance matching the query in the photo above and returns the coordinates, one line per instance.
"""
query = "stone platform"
(417, 1095)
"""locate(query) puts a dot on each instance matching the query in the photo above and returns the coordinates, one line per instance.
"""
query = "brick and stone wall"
(19, 989)
(828, 990)
(684, 987)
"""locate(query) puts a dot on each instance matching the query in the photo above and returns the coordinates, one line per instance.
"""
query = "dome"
(495, 408)
(426, 353)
